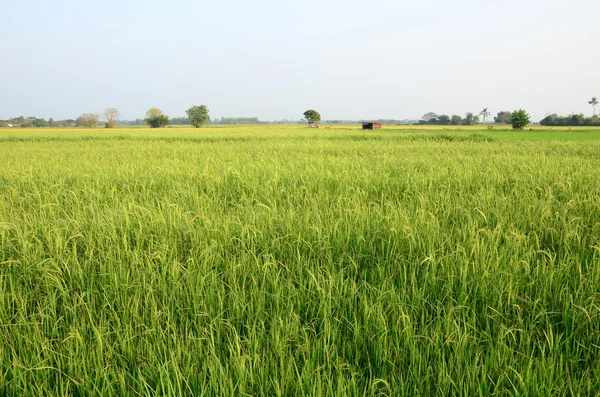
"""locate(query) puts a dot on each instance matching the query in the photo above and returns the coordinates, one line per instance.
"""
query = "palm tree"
(484, 114)
(594, 103)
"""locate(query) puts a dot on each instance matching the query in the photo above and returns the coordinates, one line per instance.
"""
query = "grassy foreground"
(282, 261)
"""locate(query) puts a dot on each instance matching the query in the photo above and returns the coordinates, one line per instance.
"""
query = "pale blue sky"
(275, 59)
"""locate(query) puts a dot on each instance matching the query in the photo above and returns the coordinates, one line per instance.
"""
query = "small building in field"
(10, 125)
(313, 125)
(371, 126)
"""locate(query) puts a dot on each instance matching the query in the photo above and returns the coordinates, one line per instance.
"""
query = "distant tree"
(520, 119)
(31, 122)
(484, 114)
(158, 121)
(153, 112)
(198, 115)
(180, 120)
(50, 122)
(156, 118)
(18, 121)
(470, 119)
(577, 119)
(60, 123)
(589, 121)
(111, 115)
(35, 122)
(571, 120)
(551, 119)
(427, 117)
(241, 120)
(89, 120)
(456, 120)
(443, 119)
(312, 116)
(503, 117)
(594, 103)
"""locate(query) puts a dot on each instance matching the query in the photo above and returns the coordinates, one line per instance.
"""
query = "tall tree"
(576, 119)
(427, 117)
(594, 103)
(456, 120)
(89, 120)
(153, 112)
(198, 115)
(312, 116)
(156, 118)
(470, 119)
(443, 119)
(111, 115)
(503, 117)
(484, 114)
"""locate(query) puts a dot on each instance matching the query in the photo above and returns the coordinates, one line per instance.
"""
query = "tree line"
(518, 119)
(431, 118)
(197, 116)
(572, 120)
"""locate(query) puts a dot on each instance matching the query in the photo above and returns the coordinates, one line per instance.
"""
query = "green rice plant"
(279, 261)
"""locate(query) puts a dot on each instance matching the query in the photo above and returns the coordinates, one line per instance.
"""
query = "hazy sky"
(274, 59)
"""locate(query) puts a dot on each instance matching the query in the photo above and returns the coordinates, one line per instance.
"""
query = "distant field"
(498, 131)
(281, 260)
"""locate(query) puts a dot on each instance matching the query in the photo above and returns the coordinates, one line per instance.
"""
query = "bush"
(520, 119)
(158, 121)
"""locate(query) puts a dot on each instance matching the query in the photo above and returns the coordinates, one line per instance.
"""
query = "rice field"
(283, 261)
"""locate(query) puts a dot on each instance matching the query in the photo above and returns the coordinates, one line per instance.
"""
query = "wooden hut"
(371, 126)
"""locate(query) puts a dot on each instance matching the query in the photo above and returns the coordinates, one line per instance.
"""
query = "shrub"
(520, 119)
(158, 121)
